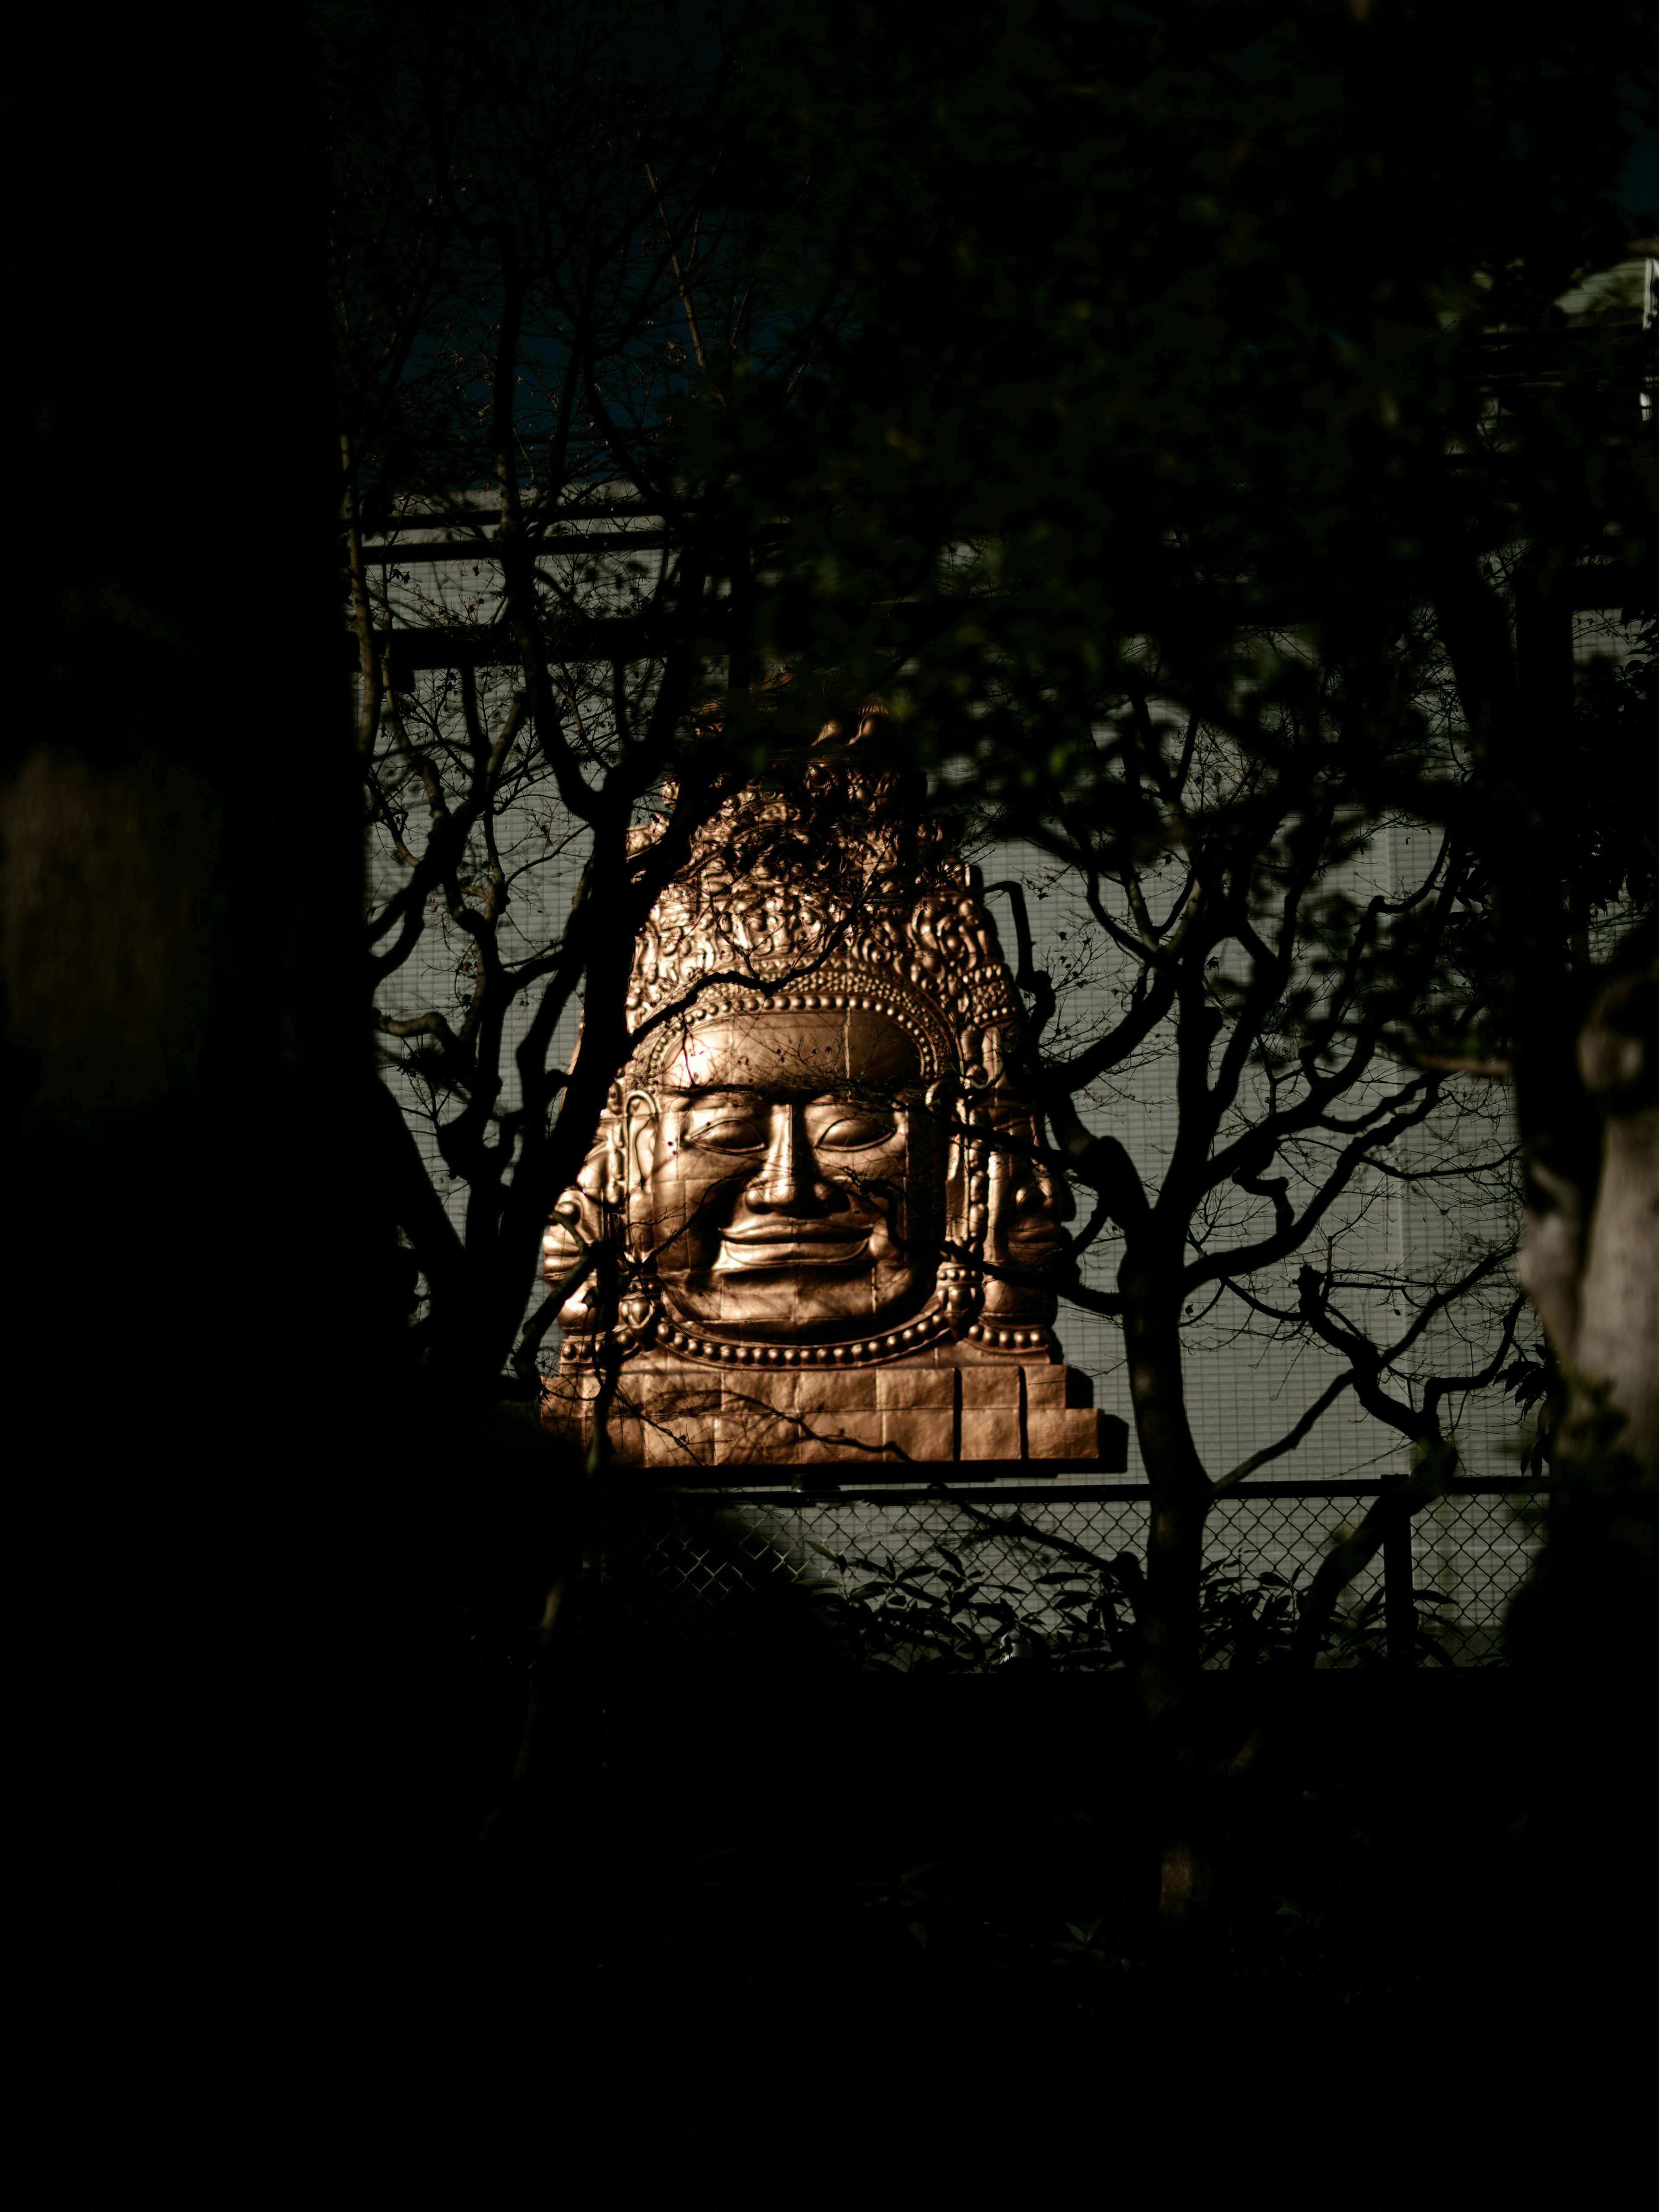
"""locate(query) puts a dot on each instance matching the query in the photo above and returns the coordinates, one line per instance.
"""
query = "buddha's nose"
(788, 1181)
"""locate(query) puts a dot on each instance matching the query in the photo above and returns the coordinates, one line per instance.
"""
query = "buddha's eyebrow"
(758, 1093)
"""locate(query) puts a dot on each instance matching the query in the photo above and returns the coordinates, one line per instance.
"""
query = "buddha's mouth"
(799, 1245)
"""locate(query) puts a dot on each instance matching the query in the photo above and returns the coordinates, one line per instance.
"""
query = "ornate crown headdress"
(832, 893)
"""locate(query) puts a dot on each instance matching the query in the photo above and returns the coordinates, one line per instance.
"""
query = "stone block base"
(947, 1406)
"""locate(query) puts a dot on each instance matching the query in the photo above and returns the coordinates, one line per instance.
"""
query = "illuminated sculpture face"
(821, 1160)
(786, 1178)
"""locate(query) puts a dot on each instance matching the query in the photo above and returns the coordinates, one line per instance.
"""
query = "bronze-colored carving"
(824, 1200)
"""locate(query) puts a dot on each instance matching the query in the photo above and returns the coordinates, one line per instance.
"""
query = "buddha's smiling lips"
(793, 1248)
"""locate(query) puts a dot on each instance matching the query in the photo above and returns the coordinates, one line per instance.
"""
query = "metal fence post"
(1399, 1605)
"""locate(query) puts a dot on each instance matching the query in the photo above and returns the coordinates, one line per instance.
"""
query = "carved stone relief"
(825, 1217)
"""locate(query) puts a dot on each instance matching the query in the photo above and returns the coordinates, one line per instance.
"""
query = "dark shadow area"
(740, 1870)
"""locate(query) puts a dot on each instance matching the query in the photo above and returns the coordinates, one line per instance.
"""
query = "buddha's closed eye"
(728, 1132)
(829, 1125)
(852, 1131)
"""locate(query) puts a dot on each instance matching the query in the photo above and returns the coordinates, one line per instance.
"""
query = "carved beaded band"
(915, 1336)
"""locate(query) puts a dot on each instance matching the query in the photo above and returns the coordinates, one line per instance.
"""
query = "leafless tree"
(1278, 976)
(542, 295)
(576, 331)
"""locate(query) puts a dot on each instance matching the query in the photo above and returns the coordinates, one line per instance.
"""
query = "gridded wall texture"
(1445, 1195)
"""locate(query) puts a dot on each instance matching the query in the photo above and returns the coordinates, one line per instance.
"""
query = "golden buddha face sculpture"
(818, 1157)
(787, 1178)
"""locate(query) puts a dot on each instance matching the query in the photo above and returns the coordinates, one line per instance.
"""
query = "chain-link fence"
(971, 1578)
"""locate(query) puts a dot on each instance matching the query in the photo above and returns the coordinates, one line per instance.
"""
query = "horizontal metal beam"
(1013, 1485)
(560, 544)
(622, 637)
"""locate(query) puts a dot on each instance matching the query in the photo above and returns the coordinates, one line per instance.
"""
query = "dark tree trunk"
(1149, 1279)
(203, 1306)
(1150, 1284)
